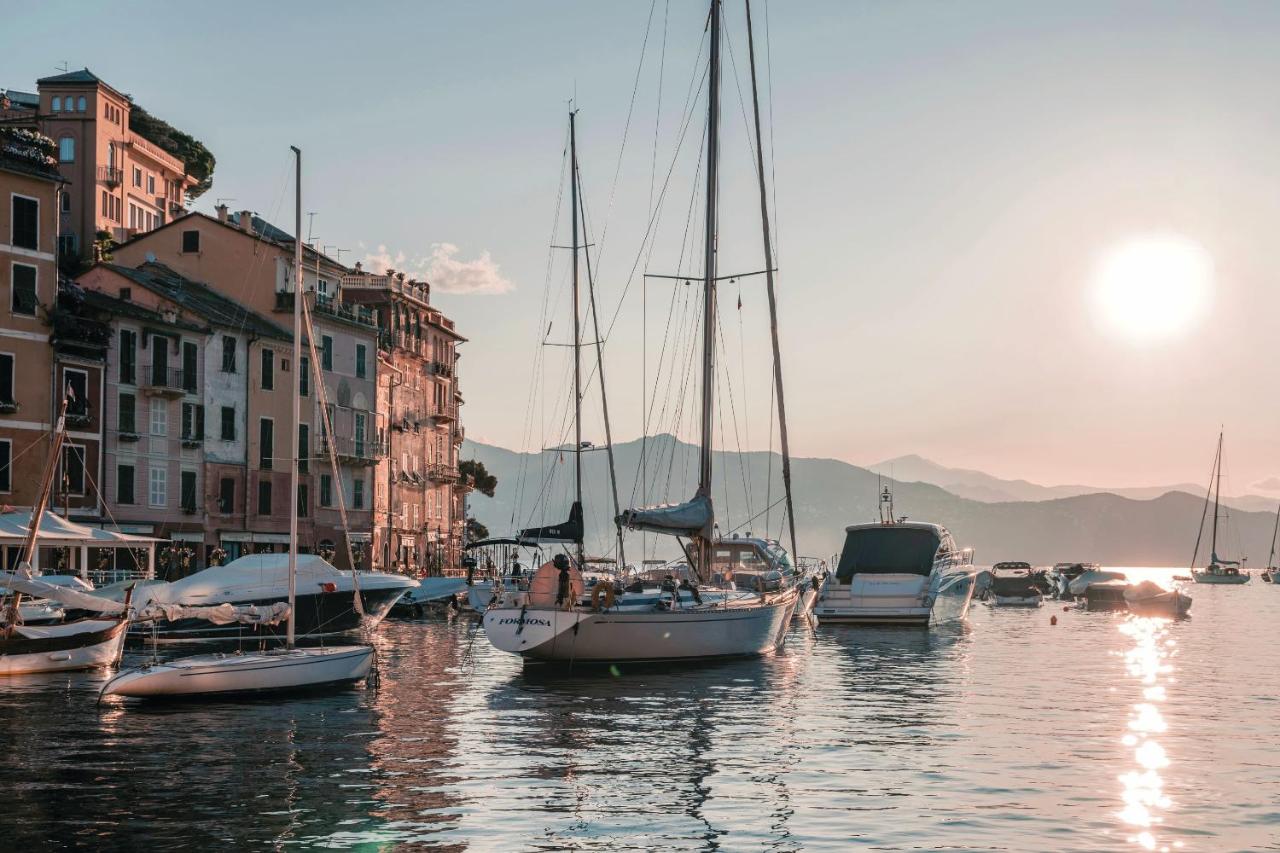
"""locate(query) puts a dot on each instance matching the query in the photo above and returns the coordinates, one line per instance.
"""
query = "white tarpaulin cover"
(684, 519)
(1087, 579)
(219, 614)
(64, 595)
(55, 530)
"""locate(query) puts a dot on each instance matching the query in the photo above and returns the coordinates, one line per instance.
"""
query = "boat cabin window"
(728, 559)
(887, 550)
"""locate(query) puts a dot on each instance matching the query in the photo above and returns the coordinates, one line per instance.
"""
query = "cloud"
(444, 270)
(1271, 484)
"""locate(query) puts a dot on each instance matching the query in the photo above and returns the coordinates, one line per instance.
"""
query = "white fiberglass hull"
(1213, 577)
(1016, 600)
(204, 675)
(83, 644)
(896, 600)
(737, 630)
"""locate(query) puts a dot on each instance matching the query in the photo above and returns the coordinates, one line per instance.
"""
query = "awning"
(56, 531)
(270, 538)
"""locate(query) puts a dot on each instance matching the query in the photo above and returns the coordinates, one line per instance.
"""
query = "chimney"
(246, 221)
(222, 212)
(390, 273)
(359, 268)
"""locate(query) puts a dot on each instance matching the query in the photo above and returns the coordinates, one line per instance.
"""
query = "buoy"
(1065, 608)
(1053, 620)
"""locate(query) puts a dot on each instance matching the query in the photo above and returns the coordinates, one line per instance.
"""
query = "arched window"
(57, 104)
(80, 104)
(67, 149)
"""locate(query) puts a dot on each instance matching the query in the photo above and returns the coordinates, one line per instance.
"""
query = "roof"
(124, 308)
(84, 75)
(263, 231)
(200, 299)
(26, 99)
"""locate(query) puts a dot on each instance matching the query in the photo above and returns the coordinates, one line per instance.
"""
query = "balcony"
(79, 413)
(176, 209)
(353, 451)
(440, 368)
(440, 473)
(9, 407)
(110, 176)
(80, 335)
(166, 382)
(446, 414)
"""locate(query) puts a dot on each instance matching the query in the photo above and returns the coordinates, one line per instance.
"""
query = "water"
(1103, 732)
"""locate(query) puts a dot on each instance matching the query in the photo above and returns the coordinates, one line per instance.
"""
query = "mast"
(773, 298)
(296, 397)
(1271, 556)
(577, 334)
(709, 280)
(1217, 491)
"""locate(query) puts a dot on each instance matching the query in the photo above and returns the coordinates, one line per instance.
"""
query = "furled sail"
(1214, 558)
(686, 519)
(569, 531)
(218, 614)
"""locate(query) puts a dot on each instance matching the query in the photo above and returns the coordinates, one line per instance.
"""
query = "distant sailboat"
(1219, 570)
(290, 668)
(1271, 574)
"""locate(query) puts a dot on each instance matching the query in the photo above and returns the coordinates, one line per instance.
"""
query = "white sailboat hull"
(205, 675)
(84, 644)
(1213, 577)
(738, 630)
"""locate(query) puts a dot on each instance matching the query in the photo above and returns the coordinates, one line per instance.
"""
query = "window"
(126, 294)
(68, 244)
(106, 207)
(326, 352)
(304, 376)
(264, 497)
(25, 228)
(228, 423)
(359, 437)
(65, 199)
(24, 290)
(137, 177)
(80, 103)
(158, 491)
(190, 357)
(326, 490)
(227, 495)
(128, 356)
(124, 484)
(66, 149)
(6, 457)
(192, 422)
(57, 103)
(228, 354)
(266, 443)
(188, 491)
(72, 479)
(302, 500)
(127, 414)
(357, 493)
(304, 449)
(151, 184)
(159, 417)
(6, 380)
(268, 370)
(190, 241)
(77, 381)
(160, 361)
(359, 361)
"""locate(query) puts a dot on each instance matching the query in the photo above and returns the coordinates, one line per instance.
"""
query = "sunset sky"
(1035, 239)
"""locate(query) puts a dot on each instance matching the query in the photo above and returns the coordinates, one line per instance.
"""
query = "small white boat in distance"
(898, 572)
(1219, 571)
(238, 674)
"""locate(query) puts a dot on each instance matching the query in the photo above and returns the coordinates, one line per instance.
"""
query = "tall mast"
(773, 298)
(297, 398)
(709, 278)
(1217, 491)
(1272, 555)
(577, 334)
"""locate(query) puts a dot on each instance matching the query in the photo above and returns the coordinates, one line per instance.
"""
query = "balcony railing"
(167, 380)
(110, 176)
(79, 413)
(325, 304)
(441, 473)
(446, 414)
(359, 451)
(440, 368)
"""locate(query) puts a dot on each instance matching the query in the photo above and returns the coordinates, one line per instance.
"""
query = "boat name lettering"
(526, 620)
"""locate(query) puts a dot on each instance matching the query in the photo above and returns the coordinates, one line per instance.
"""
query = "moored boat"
(1219, 570)
(1016, 584)
(1150, 599)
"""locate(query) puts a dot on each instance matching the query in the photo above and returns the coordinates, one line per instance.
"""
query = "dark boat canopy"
(888, 549)
(570, 531)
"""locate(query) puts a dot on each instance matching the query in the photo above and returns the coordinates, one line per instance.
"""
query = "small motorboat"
(1015, 584)
(1150, 599)
(1080, 585)
(1105, 595)
(1270, 575)
(1062, 574)
(428, 593)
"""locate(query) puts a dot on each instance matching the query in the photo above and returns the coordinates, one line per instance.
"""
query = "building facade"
(418, 498)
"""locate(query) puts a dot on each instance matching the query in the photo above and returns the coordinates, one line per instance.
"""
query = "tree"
(476, 531)
(484, 482)
(198, 159)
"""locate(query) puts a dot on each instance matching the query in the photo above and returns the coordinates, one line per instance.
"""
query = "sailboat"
(88, 643)
(1271, 574)
(714, 617)
(290, 668)
(1219, 570)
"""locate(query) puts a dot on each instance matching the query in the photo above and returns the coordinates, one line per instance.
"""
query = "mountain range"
(1136, 529)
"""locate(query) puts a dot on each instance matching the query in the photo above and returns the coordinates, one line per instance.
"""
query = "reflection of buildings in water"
(1143, 786)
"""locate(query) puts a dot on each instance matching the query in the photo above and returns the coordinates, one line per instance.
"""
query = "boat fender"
(1053, 620)
(328, 586)
(605, 591)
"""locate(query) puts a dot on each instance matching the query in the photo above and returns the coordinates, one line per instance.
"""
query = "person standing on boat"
(561, 562)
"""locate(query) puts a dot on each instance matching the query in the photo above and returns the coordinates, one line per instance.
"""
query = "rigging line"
(733, 410)
(757, 515)
(742, 104)
(746, 405)
(657, 113)
(773, 161)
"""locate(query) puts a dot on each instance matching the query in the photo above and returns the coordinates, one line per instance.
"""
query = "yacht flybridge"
(897, 572)
(710, 616)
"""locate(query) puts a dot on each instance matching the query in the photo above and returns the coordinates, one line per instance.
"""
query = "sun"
(1153, 288)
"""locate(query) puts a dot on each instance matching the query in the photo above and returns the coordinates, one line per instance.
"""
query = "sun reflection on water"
(1143, 786)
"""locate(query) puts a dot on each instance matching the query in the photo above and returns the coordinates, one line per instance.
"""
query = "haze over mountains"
(1135, 529)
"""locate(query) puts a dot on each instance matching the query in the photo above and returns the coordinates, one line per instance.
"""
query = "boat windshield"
(887, 550)
(729, 558)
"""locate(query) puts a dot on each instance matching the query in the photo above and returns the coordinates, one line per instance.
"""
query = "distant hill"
(980, 486)
(831, 494)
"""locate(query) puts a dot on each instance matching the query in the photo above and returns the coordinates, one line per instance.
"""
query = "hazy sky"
(949, 176)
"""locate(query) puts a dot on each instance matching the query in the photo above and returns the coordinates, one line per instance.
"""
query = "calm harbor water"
(1103, 732)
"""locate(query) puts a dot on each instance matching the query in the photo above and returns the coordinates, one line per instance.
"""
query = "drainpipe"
(391, 411)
